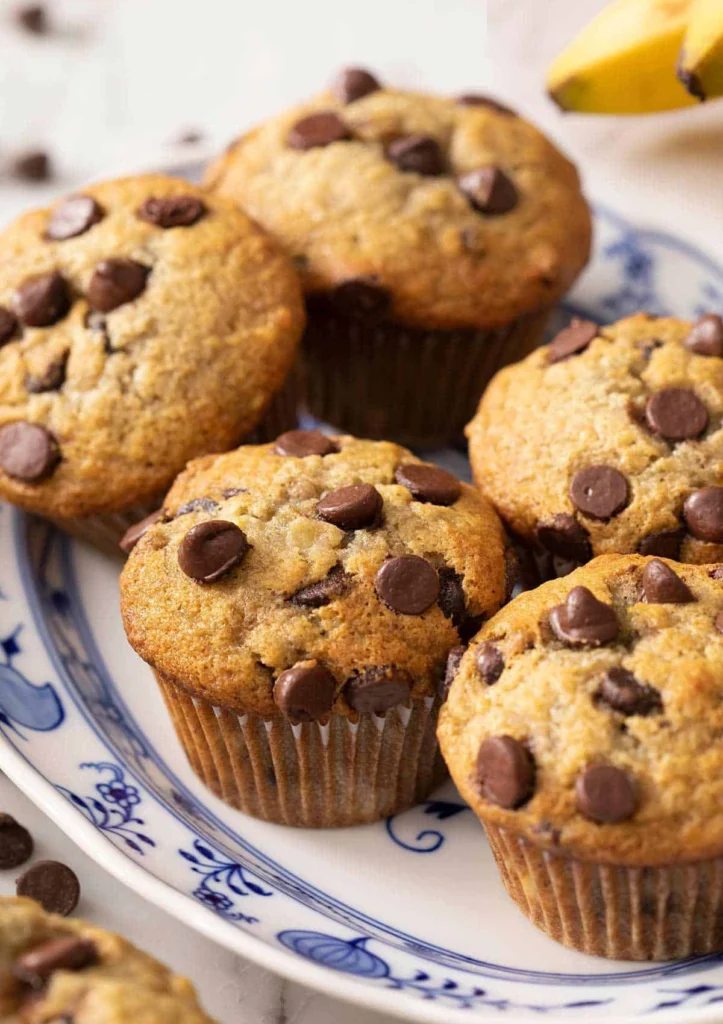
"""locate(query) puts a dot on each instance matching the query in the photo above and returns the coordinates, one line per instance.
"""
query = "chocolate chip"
(28, 452)
(583, 620)
(451, 669)
(73, 217)
(305, 693)
(451, 596)
(231, 492)
(718, 622)
(69, 953)
(298, 444)
(663, 543)
(318, 594)
(172, 211)
(573, 339)
(706, 336)
(8, 325)
(605, 794)
(361, 299)
(351, 508)
(489, 190)
(134, 533)
(599, 491)
(663, 586)
(703, 514)
(115, 282)
(16, 843)
(51, 378)
(197, 505)
(565, 537)
(677, 414)
(32, 166)
(417, 154)
(622, 692)
(490, 663)
(428, 483)
(33, 18)
(42, 300)
(505, 771)
(353, 84)
(212, 549)
(471, 99)
(320, 129)
(51, 884)
(375, 690)
(407, 584)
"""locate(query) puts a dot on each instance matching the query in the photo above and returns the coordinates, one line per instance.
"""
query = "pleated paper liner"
(664, 912)
(310, 775)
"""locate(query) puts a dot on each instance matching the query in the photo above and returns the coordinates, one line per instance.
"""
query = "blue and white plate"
(408, 915)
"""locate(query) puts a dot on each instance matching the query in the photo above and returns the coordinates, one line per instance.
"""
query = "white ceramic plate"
(408, 915)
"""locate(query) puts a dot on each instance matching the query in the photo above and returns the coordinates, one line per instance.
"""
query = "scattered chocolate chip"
(353, 84)
(134, 533)
(622, 692)
(33, 18)
(73, 217)
(599, 491)
(375, 690)
(677, 414)
(407, 584)
(605, 794)
(429, 483)
(197, 505)
(320, 129)
(703, 514)
(663, 543)
(51, 884)
(8, 325)
(361, 299)
(584, 620)
(451, 669)
(490, 663)
(318, 594)
(28, 452)
(305, 693)
(706, 336)
(565, 537)
(663, 586)
(505, 771)
(417, 154)
(573, 339)
(472, 99)
(648, 347)
(70, 953)
(52, 377)
(32, 166)
(298, 444)
(351, 508)
(489, 190)
(42, 300)
(115, 282)
(189, 137)
(172, 211)
(16, 843)
(212, 549)
(718, 622)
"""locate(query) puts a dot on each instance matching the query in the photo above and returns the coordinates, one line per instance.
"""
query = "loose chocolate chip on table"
(663, 543)
(622, 692)
(661, 585)
(703, 514)
(318, 594)
(351, 508)
(73, 217)
(677, 414)
(212, 549)
(42, 300)
(33, 166)
(376, 690)
(134, 533)
(197, 505)
(115, 282)
(565, 537)
(172, 211)
(320, 129)
(505, 771)
(69, 953)
(8, 325)
(451, 669)
(28, 452)
(417, 154)
(429, 483)
(51, 378)
(706, 336)
(305, 693)
(572, 340)
(51, 884)
(353, 84)
(599, 491)
(605, 794)
(472, 99)
(407, 584)
(16, 843)
(718, 622)
(361, 299)
(298, 444)
(489, 190)
(33, 18)
(490, 663)
(584, 620)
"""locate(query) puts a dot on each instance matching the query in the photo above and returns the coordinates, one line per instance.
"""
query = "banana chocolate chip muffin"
(54, 971)
(609, 440)
(583, 727)
(142, 323)
(297, 602)
(433, 235)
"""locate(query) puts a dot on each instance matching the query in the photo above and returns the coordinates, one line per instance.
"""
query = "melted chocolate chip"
(73, 217)
(376, 690)
(505, 771)
(451, 596)
(600, 492)
(43, 300)
(69, 953)
(211, 550)
(490, 663)
(351, 508)
(583, 620)
(407, 584)
(572, 340)
(417, 154)
(676, 414)
(451, 669)
(305, 693)
(353, 84)
(471, 99)
(51, 378)
(298, 444)
(134, 533)
(703, 514)
(605, 794)
(320, 129)
(28, 452)
(489, 190)
(8, 325)
(565, 537)
(622, 692)
(706, 336)
(51, 884)
(361, 299)
(172, 211)
(428, 483)
(116, 282)
(318, 594)
(663, 543)
(197, 505)
(663, 586)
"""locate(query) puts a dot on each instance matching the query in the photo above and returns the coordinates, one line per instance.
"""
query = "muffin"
(433, 236)
(583, 727)
(56, 970)
(297, 603)
(142, 323)
(609, 440)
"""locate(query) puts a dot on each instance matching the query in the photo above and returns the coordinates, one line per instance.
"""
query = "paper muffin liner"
(310, 775)
(665, 912)
(390, 382)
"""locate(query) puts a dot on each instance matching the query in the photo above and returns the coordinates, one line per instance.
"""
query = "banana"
(701, 58)
(625, 61)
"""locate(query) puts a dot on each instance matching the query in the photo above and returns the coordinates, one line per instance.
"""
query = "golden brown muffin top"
(142, 323)
(454, 212)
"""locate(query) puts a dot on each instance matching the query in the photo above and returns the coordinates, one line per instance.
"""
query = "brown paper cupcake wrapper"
(310, 775)
(390, 382)
(627, 913)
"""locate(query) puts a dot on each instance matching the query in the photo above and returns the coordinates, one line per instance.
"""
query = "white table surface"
(119, 79)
